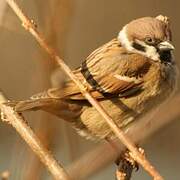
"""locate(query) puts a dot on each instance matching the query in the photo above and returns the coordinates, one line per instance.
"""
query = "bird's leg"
(125, 163)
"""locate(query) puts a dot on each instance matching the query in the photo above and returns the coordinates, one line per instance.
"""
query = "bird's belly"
(122, 110)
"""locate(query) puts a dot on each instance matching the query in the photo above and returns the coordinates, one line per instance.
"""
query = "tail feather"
(30, 105)
(56, 107)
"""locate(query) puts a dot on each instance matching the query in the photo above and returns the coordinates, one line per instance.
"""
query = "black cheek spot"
(139, 47)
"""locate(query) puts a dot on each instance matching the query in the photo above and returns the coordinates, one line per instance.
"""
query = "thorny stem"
(18, 122)
(31, 27)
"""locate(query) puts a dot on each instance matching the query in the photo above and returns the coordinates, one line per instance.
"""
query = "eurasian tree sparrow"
(129, 76)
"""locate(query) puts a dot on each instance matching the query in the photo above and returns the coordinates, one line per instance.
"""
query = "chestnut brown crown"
(148, 27)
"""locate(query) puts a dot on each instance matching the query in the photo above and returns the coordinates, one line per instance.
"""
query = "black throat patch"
(165, 56)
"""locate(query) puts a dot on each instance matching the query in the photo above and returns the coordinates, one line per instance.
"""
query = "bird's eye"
(149, 40)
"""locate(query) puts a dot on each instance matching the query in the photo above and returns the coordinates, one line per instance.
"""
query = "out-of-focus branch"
(2, 9)
(17, 121)
(138, 132)
(5, 175)
(31, 27)
(55, 26)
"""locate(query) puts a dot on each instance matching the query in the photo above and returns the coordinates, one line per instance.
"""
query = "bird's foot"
(126, 164)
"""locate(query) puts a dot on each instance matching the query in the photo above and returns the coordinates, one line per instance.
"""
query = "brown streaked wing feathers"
(100, 65)
(106, 80)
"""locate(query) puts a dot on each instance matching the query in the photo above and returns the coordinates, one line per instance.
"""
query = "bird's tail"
(31, 105)
(57, 107)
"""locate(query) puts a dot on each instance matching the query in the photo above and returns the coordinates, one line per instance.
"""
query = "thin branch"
(18, 122)
(31, 27)
(138, 132)
(54, 26)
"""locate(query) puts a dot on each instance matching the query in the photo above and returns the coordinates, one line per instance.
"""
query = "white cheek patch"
(122, 37)
(151, 51)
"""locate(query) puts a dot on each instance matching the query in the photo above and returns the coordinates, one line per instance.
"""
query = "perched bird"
(129, 76)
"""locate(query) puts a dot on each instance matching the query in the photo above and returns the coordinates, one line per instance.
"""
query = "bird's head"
(148, 36)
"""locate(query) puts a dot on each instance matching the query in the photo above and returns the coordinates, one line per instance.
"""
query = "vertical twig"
(54, 26)
(31, 27)
(18, 122)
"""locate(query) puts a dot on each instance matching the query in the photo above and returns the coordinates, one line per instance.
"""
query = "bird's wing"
(109, 70)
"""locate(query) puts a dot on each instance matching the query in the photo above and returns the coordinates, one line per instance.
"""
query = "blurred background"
(74, 28)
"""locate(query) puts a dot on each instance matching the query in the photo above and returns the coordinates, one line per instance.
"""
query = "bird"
(129, 76)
